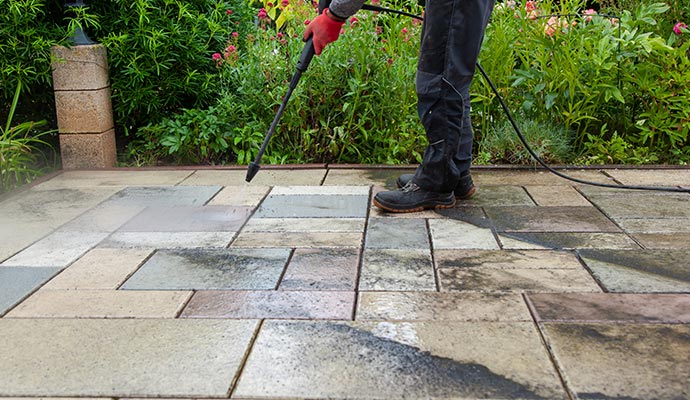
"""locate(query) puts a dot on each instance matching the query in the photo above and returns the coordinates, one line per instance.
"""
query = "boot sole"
(411, 210)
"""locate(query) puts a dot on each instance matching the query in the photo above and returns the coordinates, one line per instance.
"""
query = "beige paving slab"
(452, 234)
(59, 249)
(298, 239)
(304, 225)
(121, 357)
(265, 177)
(566, 240)
(320, 190)
(161, 240)
(101, 304)
(654, 225)
(663, 240)
(652, 177)
(531, 177)
(500, 195)
(117, 178)
(507, 259)
(397, 270)
(431, 306)
(100, 268)
(249, 196)
(516, 280)
(556, 196)
(623, 361)
(394, 360)
(15, 236)
(385, 177)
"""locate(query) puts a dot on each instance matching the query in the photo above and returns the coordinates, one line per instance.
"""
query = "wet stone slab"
(162, 240)
(663, 240)
(611, 307)
(104, 218)
(550, 219)
(189, 219)
(59, 249)
(389, 360)
(649, 177)
(504, 195)
(18, 282)
(298, 239)
(379, 177)
(397, 233)
(315, 206)
(566, 240)
(240, 269)
(152, 196)
(271, 304)
(121, 358)
(507, 259)
(598, 361)
(557, 196)
(116, 178)
(304, 225)
(640, 271)
(648, 205)
(321, 269)
(248, 196)
(455, 234)
(397, 270)
(266, 177)
(516, 280)
(654, 225)
(431, 306)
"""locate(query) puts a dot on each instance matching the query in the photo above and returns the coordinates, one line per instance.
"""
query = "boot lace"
(410, 187)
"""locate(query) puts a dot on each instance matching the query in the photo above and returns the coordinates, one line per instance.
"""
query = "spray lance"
(308, 54)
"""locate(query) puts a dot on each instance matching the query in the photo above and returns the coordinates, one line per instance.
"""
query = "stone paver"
(321, 269)
(186, 269)
(121, 358)
(394, 269)
(611, 307)
(271, 304)
(101, 304)
(193, 283)
(641, 270)
(622, 361)
(388, 360)
(16, 283)
(430, 306)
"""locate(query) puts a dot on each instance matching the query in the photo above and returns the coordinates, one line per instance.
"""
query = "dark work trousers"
(452, 36)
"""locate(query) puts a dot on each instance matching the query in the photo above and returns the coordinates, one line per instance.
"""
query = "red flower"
(262, 14)
(229, 12)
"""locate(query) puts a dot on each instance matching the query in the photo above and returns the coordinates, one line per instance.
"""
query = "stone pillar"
(84, 109)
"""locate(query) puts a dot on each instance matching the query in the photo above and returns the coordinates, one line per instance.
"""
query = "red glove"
(324, 29)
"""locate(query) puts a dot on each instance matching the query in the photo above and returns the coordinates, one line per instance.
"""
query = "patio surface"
(191, 283)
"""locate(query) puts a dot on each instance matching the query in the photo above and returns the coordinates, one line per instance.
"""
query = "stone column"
(84, 109)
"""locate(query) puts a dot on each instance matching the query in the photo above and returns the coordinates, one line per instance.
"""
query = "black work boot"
(463, 191)
(412, 198)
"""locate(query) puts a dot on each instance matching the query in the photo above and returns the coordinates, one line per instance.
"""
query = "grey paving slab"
(115, 178)
(432, 306)
(266, 177)
(503, 195)
(162, 240)
(103, 218)
(465, 213)
(18, 282)
(55, 205)
(104, 269)
(647, 205)
(557, 196)
(249, 196)
(506, 259)
(298, 239)
(663, 240)
(566, 240)
(59, 249)
(164, 195)
(622, 361)
(15, 235)
(187, 269)
(121, 358)
(398, 360)
(550, 219)
(314, 206)
(397, 270)
(320, 190)
(101, 304)
(379, 177)
(456, 234)
(654, 225)
(304, 225)
(611, 307)
(394, 233)
(267, 304)
(189, 219)
(652, 177)
(641, 270)
(321, 269)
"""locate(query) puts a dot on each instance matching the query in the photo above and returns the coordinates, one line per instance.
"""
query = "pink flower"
(588, 14)
(229, 12)
(379, 29)
(283, 41)
(280, 35)
(550, 27)
(231, 49)
(262, 14)
(235, 34)
(403, 31)
(679, 28)
(614, 21)
(216, 56)
(285, 3)
(376, 2)
(530, 5)
(353, 21)
(269, 4)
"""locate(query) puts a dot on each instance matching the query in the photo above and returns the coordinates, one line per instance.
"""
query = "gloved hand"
(325, 29)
